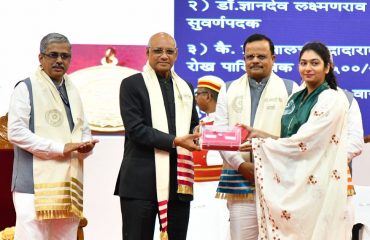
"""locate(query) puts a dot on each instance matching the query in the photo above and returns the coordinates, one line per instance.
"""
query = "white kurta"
(301, 181)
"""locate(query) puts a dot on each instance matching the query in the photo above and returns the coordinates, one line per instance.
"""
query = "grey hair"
(53, 38)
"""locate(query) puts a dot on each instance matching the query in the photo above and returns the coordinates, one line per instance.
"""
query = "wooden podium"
(7, 212)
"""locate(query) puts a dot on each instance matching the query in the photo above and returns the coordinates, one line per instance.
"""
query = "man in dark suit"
(156, 176)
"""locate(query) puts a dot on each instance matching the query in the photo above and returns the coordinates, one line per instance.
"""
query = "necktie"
(63, 95)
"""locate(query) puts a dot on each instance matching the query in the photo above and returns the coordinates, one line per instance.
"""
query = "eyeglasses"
(250, 57)
(160, 51)
(199, 93)
(55, 55)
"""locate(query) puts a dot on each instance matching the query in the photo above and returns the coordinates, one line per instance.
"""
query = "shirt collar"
(58, 85)
(162, 79)
(254, 83)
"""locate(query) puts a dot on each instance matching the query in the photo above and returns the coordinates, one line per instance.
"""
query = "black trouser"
(138, 219)
(356, 231)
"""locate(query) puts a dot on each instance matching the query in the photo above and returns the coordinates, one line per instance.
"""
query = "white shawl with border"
(184, 105)
(301, 181)
(58, 183)
(269, 111)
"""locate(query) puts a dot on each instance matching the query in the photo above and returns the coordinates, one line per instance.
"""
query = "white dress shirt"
(355, 131)
(221, 119)
(18, 128)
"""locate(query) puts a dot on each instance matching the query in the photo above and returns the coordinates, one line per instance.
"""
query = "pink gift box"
(220, 138)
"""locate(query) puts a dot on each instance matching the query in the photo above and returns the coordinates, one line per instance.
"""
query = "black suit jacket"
(137, 177)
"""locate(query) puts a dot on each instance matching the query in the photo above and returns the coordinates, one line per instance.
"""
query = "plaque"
(221, 137)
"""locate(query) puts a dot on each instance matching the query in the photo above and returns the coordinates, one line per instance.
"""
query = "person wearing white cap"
(206, 95)
(209, 216)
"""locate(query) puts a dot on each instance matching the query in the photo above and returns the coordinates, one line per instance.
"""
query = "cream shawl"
(301, 181)
(269, 111)
(270, 107)
(57, 182)
(184, 106)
